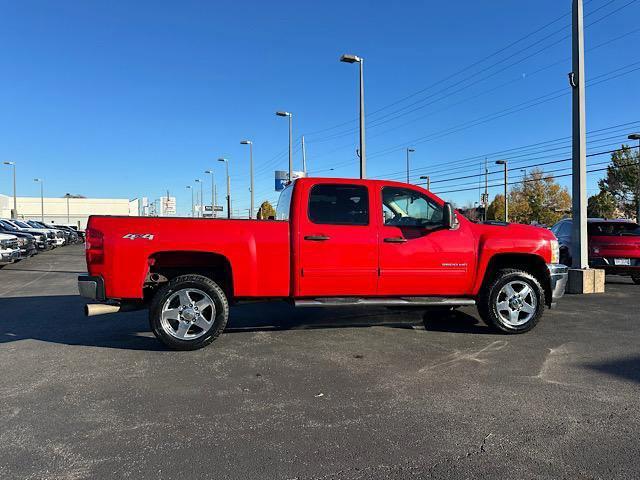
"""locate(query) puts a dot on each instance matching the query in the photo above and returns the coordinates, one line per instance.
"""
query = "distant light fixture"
(347, 58)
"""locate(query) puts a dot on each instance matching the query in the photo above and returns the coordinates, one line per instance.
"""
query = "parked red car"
(614, 245)
(333, 242)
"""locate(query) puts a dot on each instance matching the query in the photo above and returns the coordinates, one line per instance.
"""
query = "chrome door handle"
(395, 240)
(316, 238)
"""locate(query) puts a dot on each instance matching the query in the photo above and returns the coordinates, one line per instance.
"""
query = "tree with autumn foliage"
(622, 180)
(265, 211)
(537, 199)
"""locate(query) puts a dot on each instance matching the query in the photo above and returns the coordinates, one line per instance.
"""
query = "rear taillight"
(94, 246)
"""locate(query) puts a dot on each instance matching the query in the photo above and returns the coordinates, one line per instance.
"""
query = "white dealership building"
(68, 211)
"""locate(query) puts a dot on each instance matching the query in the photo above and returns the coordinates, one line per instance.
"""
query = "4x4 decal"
(135, 236)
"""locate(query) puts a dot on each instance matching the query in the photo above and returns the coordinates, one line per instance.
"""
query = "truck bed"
(257, 250)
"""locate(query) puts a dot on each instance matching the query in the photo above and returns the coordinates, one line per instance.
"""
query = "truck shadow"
(60, 319)
(623, 368)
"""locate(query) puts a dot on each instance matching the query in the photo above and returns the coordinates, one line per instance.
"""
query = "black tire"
(208, 335)
(636, 279)
(488, 300)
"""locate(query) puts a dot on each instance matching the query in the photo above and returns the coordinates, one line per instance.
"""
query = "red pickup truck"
(333, 242)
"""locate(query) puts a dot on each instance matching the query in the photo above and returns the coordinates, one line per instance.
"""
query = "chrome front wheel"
(516, 303)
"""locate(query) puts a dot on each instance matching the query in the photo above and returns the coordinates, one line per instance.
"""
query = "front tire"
(189, 312)
(512, 302)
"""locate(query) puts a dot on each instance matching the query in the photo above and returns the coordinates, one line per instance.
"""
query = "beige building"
(68, 211)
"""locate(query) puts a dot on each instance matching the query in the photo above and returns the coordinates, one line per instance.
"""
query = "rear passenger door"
(338, 242)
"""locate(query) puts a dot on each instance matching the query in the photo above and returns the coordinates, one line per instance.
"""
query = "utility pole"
(506, 183)
(304, 158)
(486, 189)
(579, 174)
(636, 136)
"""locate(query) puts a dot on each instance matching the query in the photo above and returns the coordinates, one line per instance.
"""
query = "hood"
(515, 230)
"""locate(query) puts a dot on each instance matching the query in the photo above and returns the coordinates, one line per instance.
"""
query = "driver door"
(417, 255)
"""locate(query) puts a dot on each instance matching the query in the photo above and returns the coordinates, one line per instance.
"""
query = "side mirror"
(448, 216)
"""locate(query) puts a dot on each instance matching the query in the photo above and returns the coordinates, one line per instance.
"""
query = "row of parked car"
(20, 239)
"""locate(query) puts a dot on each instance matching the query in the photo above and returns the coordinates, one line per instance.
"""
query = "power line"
(559, 176)
(465, 70)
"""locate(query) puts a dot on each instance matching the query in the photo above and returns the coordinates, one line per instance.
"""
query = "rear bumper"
(91, 287)
(558, 276)
(608, 265)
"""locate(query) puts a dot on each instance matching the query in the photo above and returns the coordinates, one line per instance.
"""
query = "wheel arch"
(531, 263)
(166, 265)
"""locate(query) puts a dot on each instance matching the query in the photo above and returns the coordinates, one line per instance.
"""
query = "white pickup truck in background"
(9, 249)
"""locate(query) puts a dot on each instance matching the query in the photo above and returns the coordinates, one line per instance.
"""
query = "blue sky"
(129, 99)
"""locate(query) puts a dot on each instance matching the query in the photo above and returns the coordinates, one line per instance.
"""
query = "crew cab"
(614, 245)
(332, 242)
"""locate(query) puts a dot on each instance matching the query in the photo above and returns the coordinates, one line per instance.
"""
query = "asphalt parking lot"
(314, 394)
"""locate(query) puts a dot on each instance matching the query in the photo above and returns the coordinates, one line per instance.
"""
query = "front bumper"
(92, 287)
(9, 256)
(558, 276)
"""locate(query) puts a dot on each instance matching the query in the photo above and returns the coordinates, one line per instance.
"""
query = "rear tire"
(189, 312)
(636, 279)
(512, 302)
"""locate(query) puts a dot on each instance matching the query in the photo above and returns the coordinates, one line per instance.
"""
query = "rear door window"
(339, 204)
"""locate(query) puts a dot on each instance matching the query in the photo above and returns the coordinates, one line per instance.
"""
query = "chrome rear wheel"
(188, 314)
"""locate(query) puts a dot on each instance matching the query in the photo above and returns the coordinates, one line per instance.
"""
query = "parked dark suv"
(614, 245)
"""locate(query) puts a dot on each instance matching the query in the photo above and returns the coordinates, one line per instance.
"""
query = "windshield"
(614, 229)
(8, 226)
(21, 224)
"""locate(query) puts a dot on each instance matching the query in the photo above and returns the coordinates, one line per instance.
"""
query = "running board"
(385, 302)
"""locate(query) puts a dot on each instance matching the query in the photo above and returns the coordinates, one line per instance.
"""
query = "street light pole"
(506, 183)
(362, 152)
(409, 150)
(250, 143)
(636, 136)
(191, 188)
(213, 194)
(428, 179)
(290, 115)
(14, 214)
(226, 163)
(200, 213)
(41, 182)
(68, 196)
